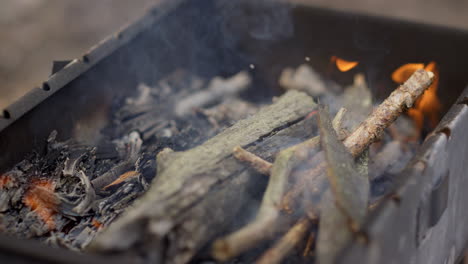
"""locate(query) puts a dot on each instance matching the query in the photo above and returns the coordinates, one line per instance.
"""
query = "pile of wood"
(234, 180)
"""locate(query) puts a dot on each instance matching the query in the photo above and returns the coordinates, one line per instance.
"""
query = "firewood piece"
(350, 188)
(398, 101)
(287, 243)
(259, 164)
(345, 207)
(173, 211)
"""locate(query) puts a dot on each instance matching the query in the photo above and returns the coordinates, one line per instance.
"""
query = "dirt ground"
(33, 33)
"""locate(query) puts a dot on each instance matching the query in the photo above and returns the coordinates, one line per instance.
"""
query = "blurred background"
(33, 33)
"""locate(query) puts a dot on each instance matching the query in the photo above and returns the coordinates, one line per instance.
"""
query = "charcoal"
(83, 205)
(111, 175)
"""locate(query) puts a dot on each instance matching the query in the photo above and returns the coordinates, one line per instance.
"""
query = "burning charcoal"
(41, 199)
(217, 89)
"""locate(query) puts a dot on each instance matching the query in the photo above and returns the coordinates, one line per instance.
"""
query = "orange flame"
(41, 199)
(343, 65)
(428, 106)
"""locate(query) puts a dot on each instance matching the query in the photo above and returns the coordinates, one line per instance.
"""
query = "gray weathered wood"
(198, 192)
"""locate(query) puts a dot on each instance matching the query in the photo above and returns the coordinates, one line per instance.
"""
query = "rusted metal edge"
(78, 66)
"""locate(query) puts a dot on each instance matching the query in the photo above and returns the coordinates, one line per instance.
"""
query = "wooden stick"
(399, 100)
(224, 249)
(287, 243)
(260, 165)
(309, 244)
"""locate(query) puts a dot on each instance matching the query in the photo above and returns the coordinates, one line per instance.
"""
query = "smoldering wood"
(185, 179)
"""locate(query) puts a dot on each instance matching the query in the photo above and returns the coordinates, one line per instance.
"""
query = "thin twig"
(287, 243)
(260, 165)
(399, 100)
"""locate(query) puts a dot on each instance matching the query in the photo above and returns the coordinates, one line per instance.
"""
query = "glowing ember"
(428, 106)
(41, 199)
(343, 65)
(4, 181)
(96, 223)
(122, 178)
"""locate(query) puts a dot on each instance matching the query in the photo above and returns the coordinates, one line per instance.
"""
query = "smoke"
(259, 19)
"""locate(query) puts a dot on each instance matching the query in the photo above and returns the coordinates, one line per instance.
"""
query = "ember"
(42, 200)
(5, 180)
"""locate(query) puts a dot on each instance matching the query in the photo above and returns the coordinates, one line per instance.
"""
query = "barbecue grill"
(423, 221)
